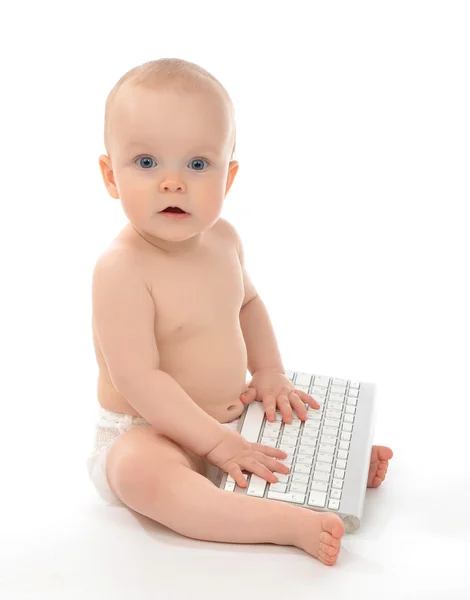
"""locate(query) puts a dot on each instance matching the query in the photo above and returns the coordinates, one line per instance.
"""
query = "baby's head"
(170, 139)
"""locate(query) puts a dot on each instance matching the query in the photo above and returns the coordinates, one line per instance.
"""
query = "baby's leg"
(157, 478)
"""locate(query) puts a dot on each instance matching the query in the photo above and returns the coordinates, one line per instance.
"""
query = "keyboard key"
(332, 422)
(310, 437)
(338, 389)
(330, 430)
(343, 454)
(347, 427)
(268, 441)
(344, 445)
(318, 390)
(333, 414)
(317, 499)
(278, 487)
(351, 400)
(319, 486)
(304, 459)
(327, 449)
(300, 478)
(350, 410)
(287, 447)
(337, 483)
(289, 438)
(309, 424)
(335, 405)
(336, 397)
(300, 468)
(314, 417)
(323, 467)
(349, 418)
(270, 435)
(336, 494)
(328, 439)
(340, 464)
(339, 473)
(354, 384)
(333, 504)
(319, 476)
(288, 497)
(303, 379)
(301, 488)
(289, 427)
(256, 486)
(326, 458)
(346, 436)
(338, 381)
(310, 450)
(322, 380)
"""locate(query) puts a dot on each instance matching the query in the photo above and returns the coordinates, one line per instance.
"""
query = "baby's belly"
(211, 367)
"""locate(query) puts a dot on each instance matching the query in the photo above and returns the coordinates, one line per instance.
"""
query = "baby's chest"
(197, 297)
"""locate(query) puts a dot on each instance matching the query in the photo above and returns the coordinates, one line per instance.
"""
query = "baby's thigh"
(143, 455)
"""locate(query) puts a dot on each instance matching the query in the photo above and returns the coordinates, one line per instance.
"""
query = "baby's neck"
(170, 248)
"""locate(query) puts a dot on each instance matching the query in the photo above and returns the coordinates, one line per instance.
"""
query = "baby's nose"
(171, 186)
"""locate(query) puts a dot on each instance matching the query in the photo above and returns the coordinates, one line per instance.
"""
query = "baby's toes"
(328, 550)
(328, 539)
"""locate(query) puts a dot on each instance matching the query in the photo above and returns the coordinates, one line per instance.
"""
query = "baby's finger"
(298, 405)
(274, 465)
(249, 396)
(236, 473)
(285, 408)
(269, 403)
(308, 399)
(256, 467)
(270, 451)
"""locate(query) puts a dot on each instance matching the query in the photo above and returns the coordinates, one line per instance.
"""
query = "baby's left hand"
(275, 390)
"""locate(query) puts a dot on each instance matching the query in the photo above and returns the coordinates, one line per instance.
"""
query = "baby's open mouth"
(173, 209)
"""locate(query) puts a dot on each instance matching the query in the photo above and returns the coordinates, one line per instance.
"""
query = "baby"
(177, 322)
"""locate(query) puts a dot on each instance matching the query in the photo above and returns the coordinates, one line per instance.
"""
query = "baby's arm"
(123, 316)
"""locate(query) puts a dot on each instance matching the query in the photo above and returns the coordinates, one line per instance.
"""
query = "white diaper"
(111, 425)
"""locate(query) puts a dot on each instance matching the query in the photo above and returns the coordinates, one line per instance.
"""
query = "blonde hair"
(169, 73)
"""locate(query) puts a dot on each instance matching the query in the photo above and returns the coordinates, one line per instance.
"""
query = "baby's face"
(170, 149)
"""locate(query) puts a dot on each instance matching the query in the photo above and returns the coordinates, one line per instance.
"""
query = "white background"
(352, 197)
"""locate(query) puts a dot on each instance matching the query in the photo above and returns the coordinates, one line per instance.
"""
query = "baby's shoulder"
(228, 231)
(120, 258)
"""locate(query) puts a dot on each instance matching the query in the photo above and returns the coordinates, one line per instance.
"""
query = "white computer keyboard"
(328, 455)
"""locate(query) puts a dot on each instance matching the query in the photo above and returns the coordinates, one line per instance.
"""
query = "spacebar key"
(253, 420)
(287, 497)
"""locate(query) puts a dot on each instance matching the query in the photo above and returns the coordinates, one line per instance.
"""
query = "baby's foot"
(321, 534)
(379, 458)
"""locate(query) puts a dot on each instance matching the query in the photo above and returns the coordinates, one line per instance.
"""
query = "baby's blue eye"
(146, 158)
(199, 162)
(196, 161)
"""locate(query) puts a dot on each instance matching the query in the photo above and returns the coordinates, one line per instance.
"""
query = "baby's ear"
(108, 176)
(232, 171)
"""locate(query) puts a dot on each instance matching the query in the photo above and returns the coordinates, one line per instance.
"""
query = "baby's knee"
(140, 462)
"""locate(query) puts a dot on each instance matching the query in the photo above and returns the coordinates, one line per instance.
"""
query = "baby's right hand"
(235, 453)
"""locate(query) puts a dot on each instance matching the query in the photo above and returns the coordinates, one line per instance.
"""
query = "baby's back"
(197, 298)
